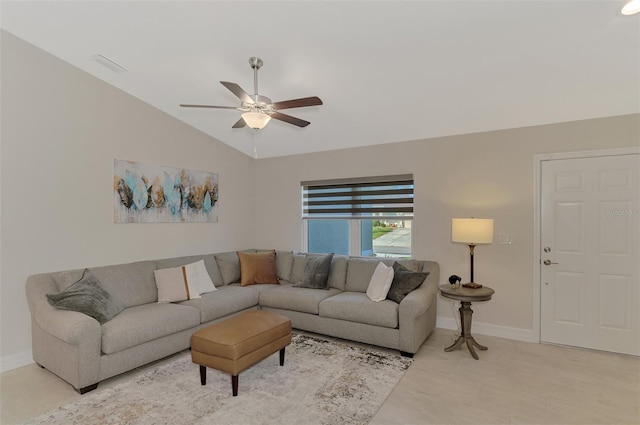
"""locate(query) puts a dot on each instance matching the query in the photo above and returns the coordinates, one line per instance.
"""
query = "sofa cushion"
(257, 267)
(87, 296)
(133, 283)
(357, 307)
(360, 270)
(404, 281)
(209, 263)
(297, 268)
(338, 272)
(226, 300)
(287, 297)
(144, 323)
(316, 272)
(284, 264)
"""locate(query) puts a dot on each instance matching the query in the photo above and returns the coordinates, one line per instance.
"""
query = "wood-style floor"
(512, 383)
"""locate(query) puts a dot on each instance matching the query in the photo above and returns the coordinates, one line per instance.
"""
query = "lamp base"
(472, 285)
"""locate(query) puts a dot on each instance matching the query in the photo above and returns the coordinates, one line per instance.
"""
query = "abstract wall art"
(145, 193)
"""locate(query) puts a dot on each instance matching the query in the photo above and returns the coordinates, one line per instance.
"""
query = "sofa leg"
(203, 375)
(405, 354)
(234, 385)
(86, 389)
(41, 367)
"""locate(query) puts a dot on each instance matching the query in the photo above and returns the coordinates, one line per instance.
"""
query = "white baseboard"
(15, 361)
(480, 328)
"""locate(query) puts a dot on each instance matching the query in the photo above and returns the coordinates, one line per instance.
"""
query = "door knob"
(547, 249)
(548, 262)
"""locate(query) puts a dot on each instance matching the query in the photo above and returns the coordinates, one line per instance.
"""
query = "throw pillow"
(404, 281)
(199, 277)
(316, 272)
(258, 267)
(67, 278)
(87, 296)
(380, 282)
(183, 283)
(229, 266)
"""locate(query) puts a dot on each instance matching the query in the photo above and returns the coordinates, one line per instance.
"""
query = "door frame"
(538, 159)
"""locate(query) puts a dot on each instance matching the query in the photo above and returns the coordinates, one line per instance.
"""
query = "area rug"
(321, 382)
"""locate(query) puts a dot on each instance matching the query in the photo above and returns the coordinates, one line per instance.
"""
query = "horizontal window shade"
(387, 197)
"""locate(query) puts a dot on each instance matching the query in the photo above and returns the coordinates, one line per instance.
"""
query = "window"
(364, 216)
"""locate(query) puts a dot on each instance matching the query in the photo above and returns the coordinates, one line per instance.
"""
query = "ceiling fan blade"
(238, 91)
(297, 103)
(289, 119)
(240, 123)
(207, 106)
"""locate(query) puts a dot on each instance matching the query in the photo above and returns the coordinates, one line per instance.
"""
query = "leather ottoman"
(237, 343)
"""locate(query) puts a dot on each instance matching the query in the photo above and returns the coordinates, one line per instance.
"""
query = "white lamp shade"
(631, 8)
(472, 231)
(256, 120)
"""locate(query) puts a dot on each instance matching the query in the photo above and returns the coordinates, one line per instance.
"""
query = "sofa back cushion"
(284, 264)
(133, 283)
(337, 272)
(209, 263)
(360, 270)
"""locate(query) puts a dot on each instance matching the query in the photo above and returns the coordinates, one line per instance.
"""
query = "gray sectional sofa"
(83, 352)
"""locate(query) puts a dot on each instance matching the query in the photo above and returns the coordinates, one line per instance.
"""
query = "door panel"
(590, 288)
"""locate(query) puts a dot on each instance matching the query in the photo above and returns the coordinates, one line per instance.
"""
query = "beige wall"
(61, 130)
(488, 175)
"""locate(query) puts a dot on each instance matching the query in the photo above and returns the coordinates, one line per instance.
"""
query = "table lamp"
(472, 231)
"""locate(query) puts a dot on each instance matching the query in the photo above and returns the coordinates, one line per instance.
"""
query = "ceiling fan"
(258, 110)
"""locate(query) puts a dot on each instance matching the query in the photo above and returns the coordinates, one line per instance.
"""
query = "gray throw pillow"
(89, 297)
(316, 272)
(404, 281)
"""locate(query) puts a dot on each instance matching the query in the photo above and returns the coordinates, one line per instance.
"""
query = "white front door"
(590, 254)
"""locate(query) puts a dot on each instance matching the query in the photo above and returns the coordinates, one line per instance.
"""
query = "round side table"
(466, 296)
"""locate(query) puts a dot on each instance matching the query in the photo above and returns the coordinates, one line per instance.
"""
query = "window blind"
(383, 197)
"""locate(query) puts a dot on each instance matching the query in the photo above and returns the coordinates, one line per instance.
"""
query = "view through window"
(365, 216)
(377, 238)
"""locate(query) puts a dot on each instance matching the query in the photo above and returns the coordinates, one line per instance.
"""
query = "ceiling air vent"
(108, 63)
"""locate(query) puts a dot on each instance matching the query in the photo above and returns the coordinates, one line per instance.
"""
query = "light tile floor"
(512, 383)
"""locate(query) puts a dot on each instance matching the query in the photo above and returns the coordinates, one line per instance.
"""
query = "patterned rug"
(321, 382)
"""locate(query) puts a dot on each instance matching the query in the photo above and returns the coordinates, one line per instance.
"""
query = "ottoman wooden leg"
(203, 375)
(282, 357)
(234, 384)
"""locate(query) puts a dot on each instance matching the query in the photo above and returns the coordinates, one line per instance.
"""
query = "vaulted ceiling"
(387, 71)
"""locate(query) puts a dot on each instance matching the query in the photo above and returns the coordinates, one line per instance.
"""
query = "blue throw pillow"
(89, 297)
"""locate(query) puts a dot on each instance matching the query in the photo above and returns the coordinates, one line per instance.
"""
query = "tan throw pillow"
(258, 267)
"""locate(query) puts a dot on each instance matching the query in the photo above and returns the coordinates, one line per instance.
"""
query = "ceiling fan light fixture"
(256, 120)
(631, 8)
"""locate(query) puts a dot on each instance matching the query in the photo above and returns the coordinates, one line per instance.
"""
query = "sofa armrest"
(415, 310)
(69, 326)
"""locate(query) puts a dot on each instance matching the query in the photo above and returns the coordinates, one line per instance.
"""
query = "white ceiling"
(387, 71)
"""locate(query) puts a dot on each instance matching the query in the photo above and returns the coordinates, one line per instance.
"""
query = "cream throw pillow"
(183, 283)
(380, 282)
